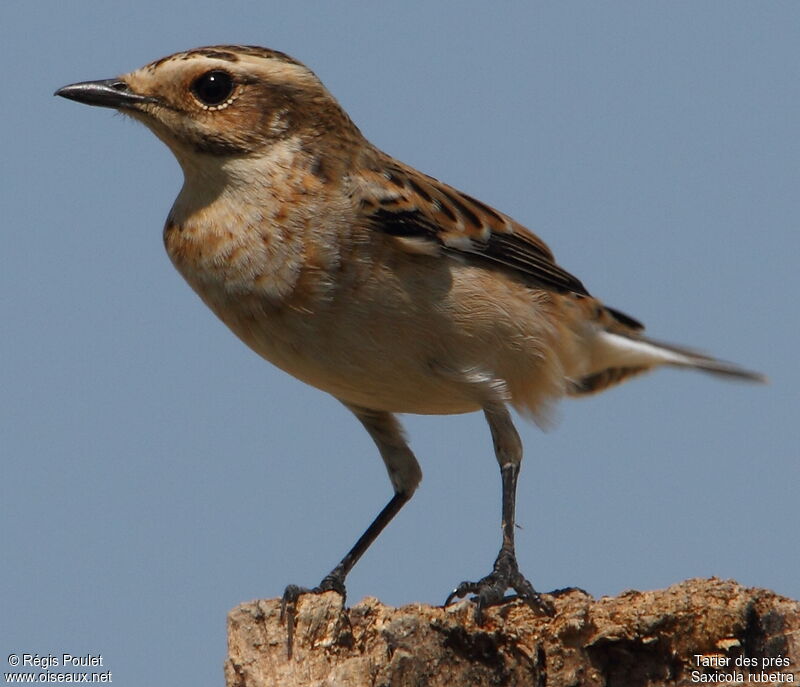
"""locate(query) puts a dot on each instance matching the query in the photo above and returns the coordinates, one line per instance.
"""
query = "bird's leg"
(334, 580)
(405, 474)
(505, 573)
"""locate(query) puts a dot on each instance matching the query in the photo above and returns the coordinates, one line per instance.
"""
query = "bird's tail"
(622, 355)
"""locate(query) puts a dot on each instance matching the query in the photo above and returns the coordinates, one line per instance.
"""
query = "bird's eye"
(213, 88)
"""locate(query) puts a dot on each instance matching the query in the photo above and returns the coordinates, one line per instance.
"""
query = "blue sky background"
(155, 472)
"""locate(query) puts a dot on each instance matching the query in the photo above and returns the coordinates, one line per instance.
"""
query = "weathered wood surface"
(635, 639)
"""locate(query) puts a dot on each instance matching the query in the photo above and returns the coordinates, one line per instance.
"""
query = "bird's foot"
(330, 583)
(491, 589)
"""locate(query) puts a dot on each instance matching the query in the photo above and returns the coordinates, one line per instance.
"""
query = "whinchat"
(367, 279)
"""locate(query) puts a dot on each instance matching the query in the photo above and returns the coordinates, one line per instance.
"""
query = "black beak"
(107, 93)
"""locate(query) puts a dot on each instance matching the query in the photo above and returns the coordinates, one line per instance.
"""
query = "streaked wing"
(428, 216)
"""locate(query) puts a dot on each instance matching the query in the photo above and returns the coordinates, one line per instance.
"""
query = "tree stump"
(696, 632)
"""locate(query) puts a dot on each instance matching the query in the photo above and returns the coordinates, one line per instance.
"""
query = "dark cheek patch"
(226, 132)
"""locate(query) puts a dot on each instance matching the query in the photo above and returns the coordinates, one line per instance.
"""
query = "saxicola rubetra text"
(367, 279)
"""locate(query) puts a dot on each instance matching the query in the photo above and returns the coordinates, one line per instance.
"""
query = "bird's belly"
(432, 345)
(383, 371)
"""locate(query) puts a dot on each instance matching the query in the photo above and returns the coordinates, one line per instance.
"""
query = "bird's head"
(224, 101)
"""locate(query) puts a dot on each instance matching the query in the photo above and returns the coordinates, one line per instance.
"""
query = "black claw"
(461, 591)
(490, 590)
(457, 593)
(330, 583)
(289, 612)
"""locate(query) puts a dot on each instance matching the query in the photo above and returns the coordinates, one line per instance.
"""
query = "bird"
(369, 280)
